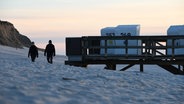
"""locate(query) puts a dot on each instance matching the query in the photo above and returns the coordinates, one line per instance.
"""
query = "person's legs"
(48, 59)
(33, 58)
(51, 59)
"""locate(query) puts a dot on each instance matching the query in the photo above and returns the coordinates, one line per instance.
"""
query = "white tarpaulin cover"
(176, 30)
(121, 30)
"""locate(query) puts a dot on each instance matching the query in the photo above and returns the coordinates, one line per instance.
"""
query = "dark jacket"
(50, 50)
(33, 51)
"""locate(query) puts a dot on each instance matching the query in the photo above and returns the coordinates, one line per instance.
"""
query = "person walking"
(33, 52)
(50, 52)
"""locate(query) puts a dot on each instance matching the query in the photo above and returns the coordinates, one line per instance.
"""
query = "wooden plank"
(141, 68)
(172, 69)
(128, 66)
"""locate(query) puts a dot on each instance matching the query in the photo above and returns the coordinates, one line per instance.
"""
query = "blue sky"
(42, 20)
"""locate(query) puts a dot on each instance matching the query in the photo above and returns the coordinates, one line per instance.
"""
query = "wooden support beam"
(141, 68)
(160, 53)
(172, 69)
(160, 44)
(110, 66)
(128, 66)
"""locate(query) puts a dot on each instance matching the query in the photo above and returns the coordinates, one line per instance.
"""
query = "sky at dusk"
(42, 20)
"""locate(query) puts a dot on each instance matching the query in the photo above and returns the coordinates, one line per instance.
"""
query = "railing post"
(84, 49)
(105, 47)
(126, 47)
(154, 48)
(173, 48)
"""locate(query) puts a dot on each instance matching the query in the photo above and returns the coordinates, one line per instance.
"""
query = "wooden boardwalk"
(154, 50)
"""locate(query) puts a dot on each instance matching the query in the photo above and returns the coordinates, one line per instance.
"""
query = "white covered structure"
(121, 30)
(108, 31)
(176, 30)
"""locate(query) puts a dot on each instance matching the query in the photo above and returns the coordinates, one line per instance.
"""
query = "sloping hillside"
(10, 36)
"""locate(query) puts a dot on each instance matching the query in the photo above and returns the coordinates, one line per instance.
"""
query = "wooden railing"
(148, 47)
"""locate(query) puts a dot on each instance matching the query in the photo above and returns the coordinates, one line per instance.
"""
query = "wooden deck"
(155, 50)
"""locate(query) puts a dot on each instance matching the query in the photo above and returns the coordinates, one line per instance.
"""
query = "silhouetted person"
(49, 51)
(33, 52)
